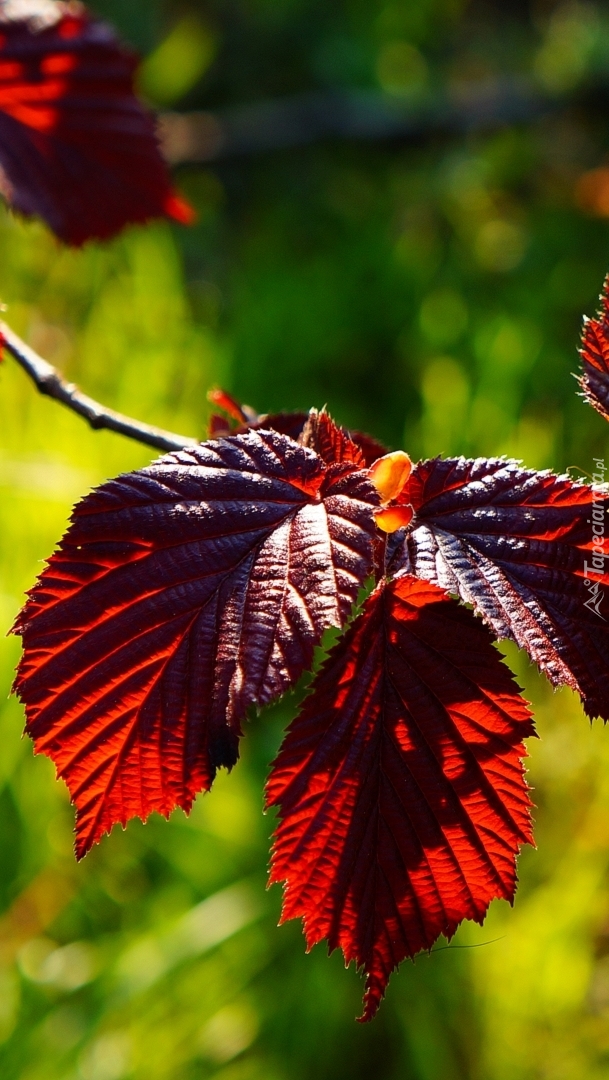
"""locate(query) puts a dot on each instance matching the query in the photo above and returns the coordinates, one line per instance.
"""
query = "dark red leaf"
(518, 546)
(180, 596)
(76, 146)
(332, 443)
(370, 448)
(286, 423)
(291, 424)
(219, 427)
(303, 427)
(400, 786)
(595, 357)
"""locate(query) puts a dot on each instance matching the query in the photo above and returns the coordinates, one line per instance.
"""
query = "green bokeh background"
(430, 293)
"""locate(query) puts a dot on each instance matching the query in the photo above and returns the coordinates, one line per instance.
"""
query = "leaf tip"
(373, 996)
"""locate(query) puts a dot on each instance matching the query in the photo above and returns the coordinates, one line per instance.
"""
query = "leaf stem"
(49, 381)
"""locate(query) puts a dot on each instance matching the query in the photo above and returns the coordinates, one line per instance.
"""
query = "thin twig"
(49, 381)
(259, 126)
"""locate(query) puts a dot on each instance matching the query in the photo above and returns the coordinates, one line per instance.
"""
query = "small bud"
(393, 518)
(390, 473)
(228, 404)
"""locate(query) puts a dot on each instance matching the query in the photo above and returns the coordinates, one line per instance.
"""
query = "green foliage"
(431, 294)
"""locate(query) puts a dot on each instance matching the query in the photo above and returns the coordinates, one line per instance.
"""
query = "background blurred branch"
(308, 118)
(48, 381)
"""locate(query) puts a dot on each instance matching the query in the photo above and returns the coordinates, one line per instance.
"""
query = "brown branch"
(302, 119)
(49, 382)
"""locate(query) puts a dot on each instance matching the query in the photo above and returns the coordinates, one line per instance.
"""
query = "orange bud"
(390, 473)
(393, 518)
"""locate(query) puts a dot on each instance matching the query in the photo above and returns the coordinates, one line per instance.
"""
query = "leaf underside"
(181, 595)
(400, 786)
(514, 543)
(77, 148)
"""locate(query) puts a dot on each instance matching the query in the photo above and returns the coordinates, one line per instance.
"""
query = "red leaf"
(335, 443)
(515, 544)
(401, 791)
(225, 401)
(291, 424)
(315, 429)
(332, 443)
(286, 423)
(180, 596)
(595, 357)
(370, 448)
(76, 146)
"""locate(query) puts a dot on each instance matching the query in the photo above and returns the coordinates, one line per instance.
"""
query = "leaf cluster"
(190, 591)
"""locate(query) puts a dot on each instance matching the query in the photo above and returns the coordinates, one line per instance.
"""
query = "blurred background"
(403, 212)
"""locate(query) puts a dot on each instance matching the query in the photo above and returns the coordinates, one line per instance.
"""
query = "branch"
(259, 126)
(49, 382)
